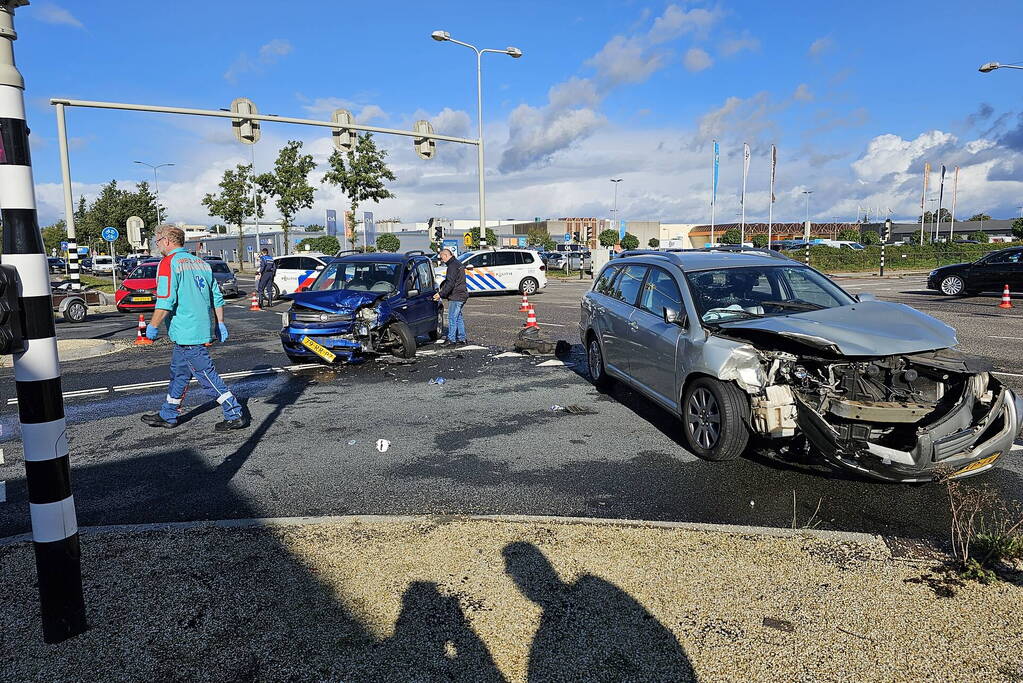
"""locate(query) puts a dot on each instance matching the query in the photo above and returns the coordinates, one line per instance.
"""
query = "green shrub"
(732, 236)
(760, 241)
(909, 257)
(849, 235)
(980, 236)
(630, 241)
(388, 242)
(654, 243)
(870, 237)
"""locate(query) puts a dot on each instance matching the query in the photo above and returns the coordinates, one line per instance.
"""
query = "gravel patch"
(487, 600)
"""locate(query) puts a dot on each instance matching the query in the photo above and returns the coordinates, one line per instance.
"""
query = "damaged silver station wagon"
(752, 343)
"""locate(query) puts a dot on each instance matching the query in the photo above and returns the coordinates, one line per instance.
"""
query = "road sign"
(110, 234)
(248, 247)
(63, 246)
(451, 245)
(522, 241)
(568, 237)
(467, 239)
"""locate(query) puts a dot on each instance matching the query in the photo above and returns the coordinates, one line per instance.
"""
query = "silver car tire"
(952, 285)
(713, 419)
(595, 363)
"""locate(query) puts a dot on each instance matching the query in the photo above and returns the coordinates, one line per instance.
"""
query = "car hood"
(336, 300)
(869, 328)
(139, 283)
(951, 267)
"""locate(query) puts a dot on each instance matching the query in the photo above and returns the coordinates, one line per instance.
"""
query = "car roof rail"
(742, 248)
(416, 252)
(347, 251)
(640, 252)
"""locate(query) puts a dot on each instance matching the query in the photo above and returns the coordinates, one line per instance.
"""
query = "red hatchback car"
(138, 291)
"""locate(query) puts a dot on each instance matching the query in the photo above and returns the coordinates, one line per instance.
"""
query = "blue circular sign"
(568, 237)
(110, 234)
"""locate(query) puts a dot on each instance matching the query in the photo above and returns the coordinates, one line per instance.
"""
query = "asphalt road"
(486, 441)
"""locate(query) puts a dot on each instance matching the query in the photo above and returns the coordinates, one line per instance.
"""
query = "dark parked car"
(56, 264)
(363, 304)
(224, 276)
(990, 273)
(85, 265)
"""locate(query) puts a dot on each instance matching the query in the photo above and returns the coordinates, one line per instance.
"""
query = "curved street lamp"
(156, 183)
(513, 52)
(991, 66)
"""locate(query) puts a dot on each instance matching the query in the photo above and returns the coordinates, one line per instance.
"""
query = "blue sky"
(857, 96)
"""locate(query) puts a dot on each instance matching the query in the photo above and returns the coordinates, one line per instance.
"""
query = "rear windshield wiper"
(798, 304)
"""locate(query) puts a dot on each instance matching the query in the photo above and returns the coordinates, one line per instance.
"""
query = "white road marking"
(1007, 374)
(553, 325)
(550, 364)
(1, 456)
(992, 336)
(509, 354)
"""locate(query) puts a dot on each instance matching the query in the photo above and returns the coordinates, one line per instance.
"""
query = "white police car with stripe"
(295, 269)
(503, 270)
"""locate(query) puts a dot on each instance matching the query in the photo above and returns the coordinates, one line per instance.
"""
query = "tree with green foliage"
(360, 173)
(980, 236)
(53, 235)
(760, 241)
(474, 238)
(653, 243)
(325, 244)
(608, 238)
(870, 237)
(537, 235)
(732, 236)
(849, 235)
(113, 207)
(945, 215)
(979, 217)
(314, 228)
(630, 241)
(388, 242)
(234, 203)
(1017, 228)
(289, 184)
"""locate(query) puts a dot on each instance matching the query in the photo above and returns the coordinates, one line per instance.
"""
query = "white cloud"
(821, 46)
(268, 53)
(697, 59)
(369, 113)
(890, 154)
(802, 93)
(52, 14)
(535, 135)
(734, 46)
(625, 60)
(676, 22)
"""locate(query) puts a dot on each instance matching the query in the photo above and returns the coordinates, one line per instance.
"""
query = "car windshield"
(359, 276)
(728, 294)
(143, 273)
(219, 267)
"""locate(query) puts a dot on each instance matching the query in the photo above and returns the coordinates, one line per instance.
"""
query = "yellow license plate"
(143, 298)
(319, 349)
(973, 466)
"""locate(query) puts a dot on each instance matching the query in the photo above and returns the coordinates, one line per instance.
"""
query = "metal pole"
(479, 147)
(884, 240)
(255, 214)
(156, 185)
(37, 368)
(69, 205)
(955, 189)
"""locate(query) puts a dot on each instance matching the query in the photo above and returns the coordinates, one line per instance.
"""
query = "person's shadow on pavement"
(432, 641)
(591, 630)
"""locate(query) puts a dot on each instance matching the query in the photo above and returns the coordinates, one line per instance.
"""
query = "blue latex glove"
(222, 329)
(152, 332)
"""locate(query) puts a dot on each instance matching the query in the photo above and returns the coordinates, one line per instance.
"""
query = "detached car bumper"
(942, 451)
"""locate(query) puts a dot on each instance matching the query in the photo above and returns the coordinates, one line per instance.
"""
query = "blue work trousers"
(265, 287)
(195, 361)
(456, 323)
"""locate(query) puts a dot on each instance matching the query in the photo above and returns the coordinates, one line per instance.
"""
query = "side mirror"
(865, 296)
(672, 317)
(470, 267)
(413, 292)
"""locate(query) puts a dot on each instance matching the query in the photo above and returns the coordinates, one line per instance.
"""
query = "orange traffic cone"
(254, 306)
(524, 307)
(531, 318)
(1006, 301)
(140, 338)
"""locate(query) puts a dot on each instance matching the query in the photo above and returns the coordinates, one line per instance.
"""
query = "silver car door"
(619, 343)
(655, 365)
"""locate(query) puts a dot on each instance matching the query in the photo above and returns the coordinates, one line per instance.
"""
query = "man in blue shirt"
(266, 271)
(187, 293)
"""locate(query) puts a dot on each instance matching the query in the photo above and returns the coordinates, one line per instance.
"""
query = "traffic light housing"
(589, 234)
(345, 139)
(245, 130)
(11, 334)
(436, 230)
(575, 235)
(426, 147)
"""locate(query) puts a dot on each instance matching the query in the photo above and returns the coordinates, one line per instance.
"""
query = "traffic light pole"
(69, 205)
(37, 369)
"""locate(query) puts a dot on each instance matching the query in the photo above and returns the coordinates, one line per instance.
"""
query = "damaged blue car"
(363, 304)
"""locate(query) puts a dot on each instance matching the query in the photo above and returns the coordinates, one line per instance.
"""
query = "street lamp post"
(806, 228)
(156, 184)
(514, 53)
(991, 66)
(614, 204)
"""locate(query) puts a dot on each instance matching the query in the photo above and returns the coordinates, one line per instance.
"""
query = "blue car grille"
(318, 317)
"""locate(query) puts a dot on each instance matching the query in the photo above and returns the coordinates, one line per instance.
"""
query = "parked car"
(782, 245)
(85, 265)
(224, 276)
(294, 270)
(989, 273)
(363, 304)
(102, 265)
(55, 264)
(740, 344)
(504, 270)
(137, 292)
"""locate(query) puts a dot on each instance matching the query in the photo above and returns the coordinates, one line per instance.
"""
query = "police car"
(503, 270)
(295, 269)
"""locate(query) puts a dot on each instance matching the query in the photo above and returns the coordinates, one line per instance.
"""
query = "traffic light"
(436, 230)
(575, 235)
(589, 234)
(344, 138)
(426, 147)
(11, 340)
(245, 130)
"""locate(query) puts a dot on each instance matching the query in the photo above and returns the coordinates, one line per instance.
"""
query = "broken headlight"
(368, 316)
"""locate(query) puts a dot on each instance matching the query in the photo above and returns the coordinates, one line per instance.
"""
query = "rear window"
(506, 258)
(143, 273)
(220, 267)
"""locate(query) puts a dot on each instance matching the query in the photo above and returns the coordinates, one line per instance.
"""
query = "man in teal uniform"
(187, 293)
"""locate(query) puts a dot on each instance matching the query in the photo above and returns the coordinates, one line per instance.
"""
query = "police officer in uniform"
(187, 293)
(266, 271)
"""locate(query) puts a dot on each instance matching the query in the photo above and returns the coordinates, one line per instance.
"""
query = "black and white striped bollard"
(37, 369)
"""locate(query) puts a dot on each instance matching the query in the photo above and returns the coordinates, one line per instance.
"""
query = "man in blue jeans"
(187, 293)
(454, 290)
(265, 285)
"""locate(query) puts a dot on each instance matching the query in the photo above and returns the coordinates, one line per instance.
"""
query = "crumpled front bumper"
(340, 340)
(943, 450)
